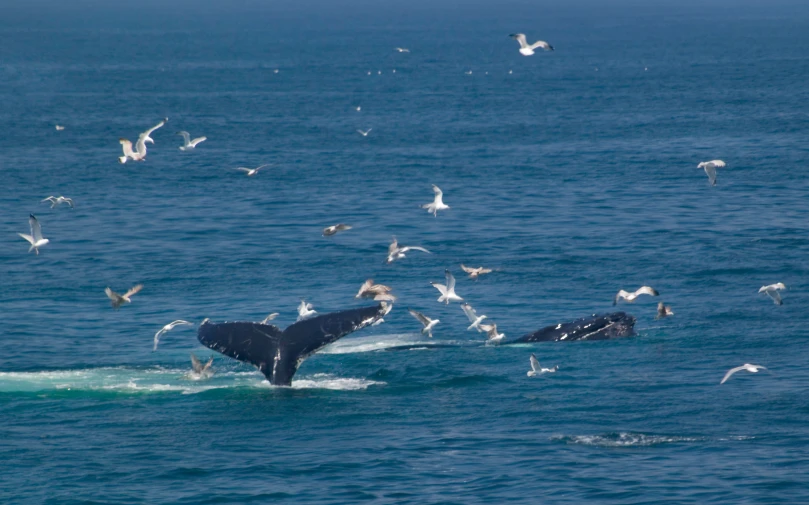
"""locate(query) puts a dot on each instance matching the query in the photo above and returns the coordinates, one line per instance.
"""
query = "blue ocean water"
(572, 173)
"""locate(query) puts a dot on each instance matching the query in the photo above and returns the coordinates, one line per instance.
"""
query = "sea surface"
(572, 173)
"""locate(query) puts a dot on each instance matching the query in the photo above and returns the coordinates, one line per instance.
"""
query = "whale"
(278, 353)
(594, 327)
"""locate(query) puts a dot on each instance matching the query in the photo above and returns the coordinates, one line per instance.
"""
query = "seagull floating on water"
(491, 333)
(475, 272)
(630, 297)
(772, 292)
(331, 230)
(200, 371)
(473, 316)
(169, 327)
(396, 253)
(536, 369)
(448, 291)
(139, 154)
(663, 311)
(427, 323)
(251, 171)
(189, 144)
(269, 318)
(359, 108)
(437, 204)
(364, 133)
(56, 200)
(402, 49)
(118, 300)
(378, 292)
(59, 127)
(525, 48)
(710, 169)
(747, 366)
(35, 238)
(305, 310)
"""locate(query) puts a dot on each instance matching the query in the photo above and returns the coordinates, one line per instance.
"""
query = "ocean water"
(572, 173)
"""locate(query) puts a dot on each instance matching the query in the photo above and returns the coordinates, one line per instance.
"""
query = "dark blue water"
(573, 176)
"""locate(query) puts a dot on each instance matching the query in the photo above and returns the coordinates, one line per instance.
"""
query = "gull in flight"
(331, 230)
(528, 50)
(437, 204)
(402, 49)
(448, 291)
(491, 333)
(630, 297)
(772, 292)
(396, 253)
(35, 238)
(139, 154)
(364, 133)
(168, 327)
(200, 371)
(425, 321)
(710, 169)
(663, 311)
(58, 200)
(251, 171)
(188, 143)
(269, 318)
(59, 127)
(118, 300)
(378, 292)
(536, 369)
(747, 366)
(305, 310)
(473, 316)
(475, 272)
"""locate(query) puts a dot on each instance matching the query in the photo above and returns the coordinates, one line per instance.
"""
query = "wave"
(638, 439)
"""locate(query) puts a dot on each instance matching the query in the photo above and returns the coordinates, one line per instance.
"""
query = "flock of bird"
(369, 289)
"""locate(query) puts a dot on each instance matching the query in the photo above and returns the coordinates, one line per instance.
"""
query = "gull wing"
(112, 295)
(440, 287)
(710, 170)
(365, 286)
(535, 363)
(343, 227)
(29, 238)
(393, 247)
(146, 135)
(133, 290)
(450, 280)
(646, 290)
(731, 372)
(198, 140)
(186, 137)
(196, 365)
(467, 269)
(36, 229)
(541, 43)
(127, 147)
(772, 293)
(208, 365)
(520, 37)
(470, 312)
(424, 320)
(414, 248)
(437, 191)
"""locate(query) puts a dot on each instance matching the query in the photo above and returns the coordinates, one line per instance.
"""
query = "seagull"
(710, 169)
(474, 318)
(251, 171)
(139, 154)
(428, 323)
(200, 371)
(118, 300)
(269, 318)
(378, 292)
(364, 133)
(663, 311)
(448, 291)
(747, 366)
(275, 71)
(59, 127)
(527, 50)
(630, 297)
(491, 332)
(35, 238)
(475, 272)
(188, 143)
(536, 369)
(57, 200)
(305, 310)
(169, 327)
(468, 72)
(437, 204)
(402, 49)
(359, 108)
(331, 230)
(772, 292)
(396, 253)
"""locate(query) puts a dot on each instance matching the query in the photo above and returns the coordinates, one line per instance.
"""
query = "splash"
(624, 440)
(378, 343)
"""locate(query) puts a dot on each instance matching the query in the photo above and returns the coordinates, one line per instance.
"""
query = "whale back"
(595, 327)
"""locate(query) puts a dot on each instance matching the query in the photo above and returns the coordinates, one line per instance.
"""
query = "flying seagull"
(772, 292)
(35, 238)
(448, 291)
(536, 369)
(491, 333)
(747, 366)
(200, 371)
(331, 230)
(425, 321)
(118, 300)
(251, 171)
(305, 310)
(473, 316)
(168, 327)
(663, 311)
(437, 204)
(396, 253)
(402, 49)
(269, 318)
(378, 292)
(475, 272)
(630, 297)
(139, 154)
(528, 50)
(710, 169)
(364, 133)
(58, 200)
(189, 144)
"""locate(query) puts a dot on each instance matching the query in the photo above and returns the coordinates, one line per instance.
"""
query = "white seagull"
(448, 291)
(251, 171)
(473, 316)
(188, 143)
(747, 366)
(59, 127)
(474, 273)
(269, 318)
(305, 310)
(437, 204)
(396, 253)
(772, 292)
(402, 49)
(169, 327)
(536, 369)
(331, 230)
(663, 311)
(56, 200)
(35, 238)
(630, 297)
(378, 292)
(139, 154)
(425, 321)
(528, 50)
(491, 333)
(359, 108)
(118, 300)
(364, 133)
(200, 371)
(710, 169)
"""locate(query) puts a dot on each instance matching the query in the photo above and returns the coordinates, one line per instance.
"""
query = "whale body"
(595, 327)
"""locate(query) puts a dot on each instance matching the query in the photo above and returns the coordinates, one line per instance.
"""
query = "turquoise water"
(573, 176)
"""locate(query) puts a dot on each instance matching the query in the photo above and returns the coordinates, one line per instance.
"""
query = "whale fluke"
(278, 353)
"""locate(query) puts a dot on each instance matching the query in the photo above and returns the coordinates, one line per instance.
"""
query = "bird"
(169, 327)
(396, 253)
(437, 204)
(528, 50)
(630, 297)
(200, 371)
(468, 72)
(331, 230)
(402, 49)
(251, 171)
(139, 154)
(536, 369)
(475, 272)
(305, 310)
(491, 333)
(35, 238)
(663, 311)
(57, 200)
(747, 366)
(269, 318)
(710, 169)
(359, 108)
(378, 292)
(425, 321)
(474, 318)
(118, 300)
(59, 127)
(772, 292)
(448, 291)
(188, 143)
(364, 133)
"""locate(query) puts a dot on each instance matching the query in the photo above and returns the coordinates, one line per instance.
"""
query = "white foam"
(372, 343)
(624, 440)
